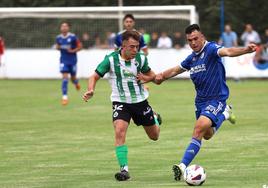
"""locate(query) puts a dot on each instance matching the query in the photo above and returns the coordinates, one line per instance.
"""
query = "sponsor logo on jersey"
(198, 68)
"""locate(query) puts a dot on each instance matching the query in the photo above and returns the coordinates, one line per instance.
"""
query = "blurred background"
(29, 32)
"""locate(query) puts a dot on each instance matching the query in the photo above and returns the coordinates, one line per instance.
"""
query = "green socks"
(121, 154)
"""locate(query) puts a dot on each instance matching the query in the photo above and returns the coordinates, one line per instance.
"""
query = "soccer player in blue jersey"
(208, 75)
(129, 23)
(69, 45)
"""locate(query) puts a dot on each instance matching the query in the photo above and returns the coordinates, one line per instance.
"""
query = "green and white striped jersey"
(122, 77)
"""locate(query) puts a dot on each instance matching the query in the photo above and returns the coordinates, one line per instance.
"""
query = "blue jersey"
(207, 73)
(118, 41)
(70, 41)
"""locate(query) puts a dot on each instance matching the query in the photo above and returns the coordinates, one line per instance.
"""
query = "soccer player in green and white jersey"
(128, 96)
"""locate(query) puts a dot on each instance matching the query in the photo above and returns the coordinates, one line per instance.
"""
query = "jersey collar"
(197, 53)
(66, 36)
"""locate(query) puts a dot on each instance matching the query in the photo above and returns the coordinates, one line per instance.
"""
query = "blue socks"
(191, 151)
(220, 121)
(64, 86)
(75, 82)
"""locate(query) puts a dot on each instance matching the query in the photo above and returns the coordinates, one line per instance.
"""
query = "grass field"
(43, 144)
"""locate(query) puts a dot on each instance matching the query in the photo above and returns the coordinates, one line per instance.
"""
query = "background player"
(128, 96)
(208, 75)
(68, 44)
(129, 23)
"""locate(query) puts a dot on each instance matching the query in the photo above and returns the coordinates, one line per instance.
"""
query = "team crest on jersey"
(137, 63)
(69, 40)
(202, 55)
(128, 74)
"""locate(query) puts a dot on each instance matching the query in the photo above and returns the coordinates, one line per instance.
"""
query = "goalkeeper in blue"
(129, 98)
(208, 75)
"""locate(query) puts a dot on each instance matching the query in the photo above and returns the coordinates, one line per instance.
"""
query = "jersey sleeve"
(58, 40)
(145, 68)
(213, 49)
(103, 67)
(117, 41)
(142, 43)
(75, 41)
(186, 63)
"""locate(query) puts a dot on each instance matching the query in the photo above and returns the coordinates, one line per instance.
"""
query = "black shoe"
(122, 176)
(158, 117)
(177, 172)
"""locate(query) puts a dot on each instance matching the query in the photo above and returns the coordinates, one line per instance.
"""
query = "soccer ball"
(194, 175)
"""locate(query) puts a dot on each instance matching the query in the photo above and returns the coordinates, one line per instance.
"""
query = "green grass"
(43, 144)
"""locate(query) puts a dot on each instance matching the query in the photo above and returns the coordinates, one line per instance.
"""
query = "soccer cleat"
(77, 86)
(158, 117)
(177, 172)
(64, 102)
(123, 175)
(232, 117)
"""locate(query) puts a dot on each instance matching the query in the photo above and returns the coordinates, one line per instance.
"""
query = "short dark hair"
(129, 16)
(130, 34)
(65, 22)
(192, 28)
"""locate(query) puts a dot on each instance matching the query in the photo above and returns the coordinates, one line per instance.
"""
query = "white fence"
(44, 63)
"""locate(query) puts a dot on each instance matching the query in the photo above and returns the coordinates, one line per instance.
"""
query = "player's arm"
(78, 47)
(145, 51)
(146, 77)
(169, 73)
(100, 71)
(236, 51)
(57, 46)
(91, 86)
(143, 46)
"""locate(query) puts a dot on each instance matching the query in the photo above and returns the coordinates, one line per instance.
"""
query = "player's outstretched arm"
(237, 51)
(91, 86)
(169, 73)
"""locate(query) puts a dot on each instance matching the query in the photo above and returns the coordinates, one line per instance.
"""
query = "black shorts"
(141, 113)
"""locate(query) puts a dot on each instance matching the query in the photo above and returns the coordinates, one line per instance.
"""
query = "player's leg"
(229, 115)
(64, 69)
(202, 125)
(121, 119)
(74, 79)
(152, 131)
(64, 88)
(142, 114)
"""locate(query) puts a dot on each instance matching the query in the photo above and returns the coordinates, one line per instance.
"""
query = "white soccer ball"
(194, 175)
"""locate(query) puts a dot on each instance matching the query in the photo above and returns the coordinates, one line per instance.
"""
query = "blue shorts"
(212, 109)
(68, 69)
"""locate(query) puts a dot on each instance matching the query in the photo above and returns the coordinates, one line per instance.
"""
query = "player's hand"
(143, 78)
(251, 47)
(87, 95)
(159, 78)
(71, 50)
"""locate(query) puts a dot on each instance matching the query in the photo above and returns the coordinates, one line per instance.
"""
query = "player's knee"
(198, 132)
(207, 137)
(154, 137)
(209, 134)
